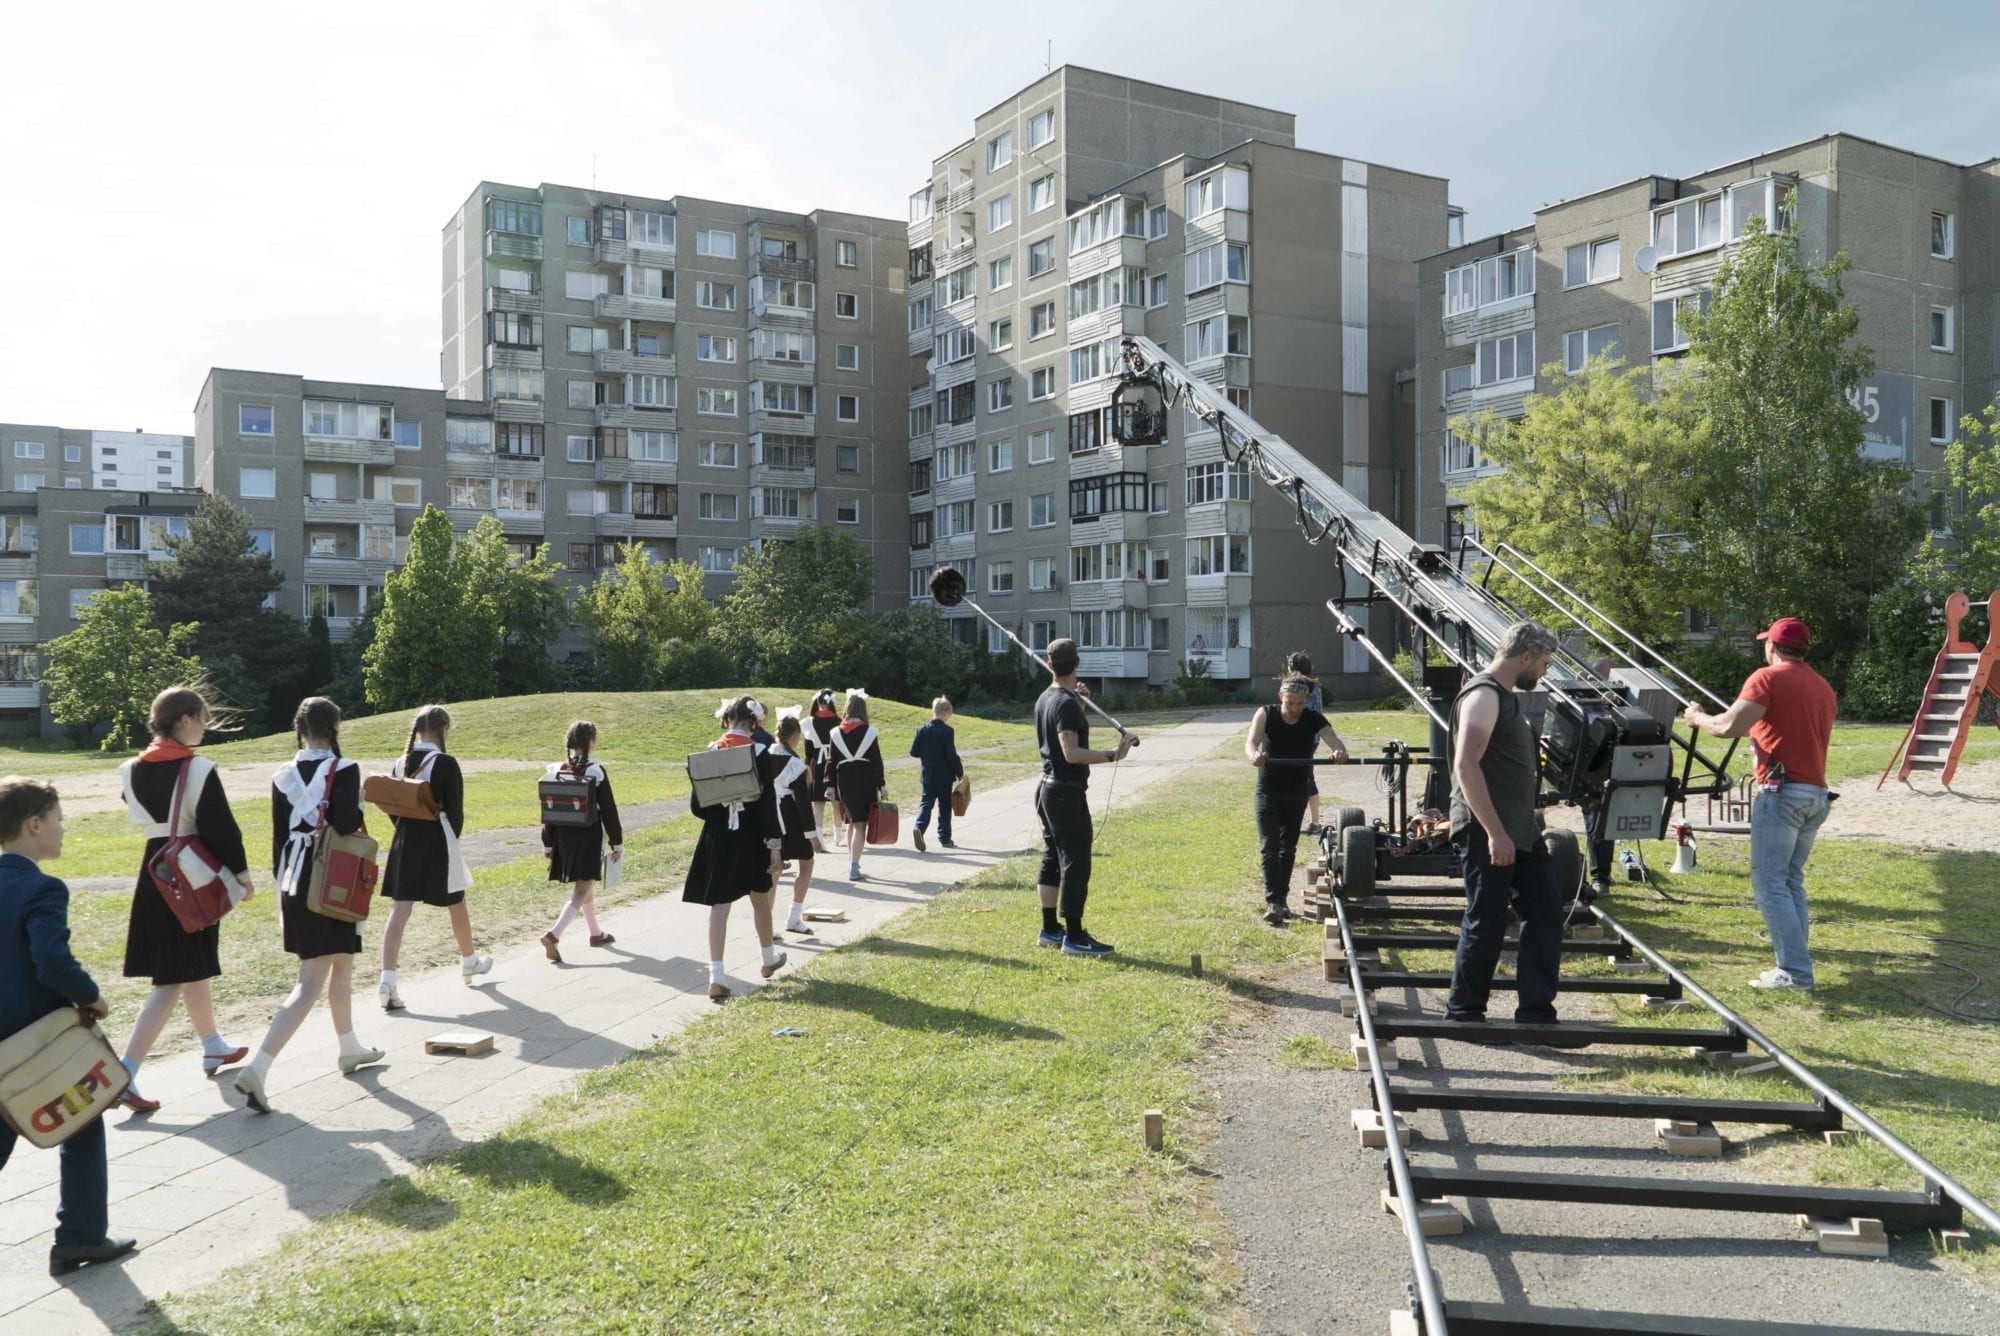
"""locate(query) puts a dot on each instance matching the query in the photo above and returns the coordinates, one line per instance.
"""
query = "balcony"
(520, 523)
(20, 695)
(512, 246)
(627, 306)
(341, 629)
(770, 266)
(1225, 371)
(921, 447)
(638, 470)
(127, 566)
(517, 410)
(612, 524)
(321, 510)
(656, 526)
(514, 357)
(1113, 252)
(1217, 591)
(1510, 315)
(514, 299)
(1093, 595)
(784, 424)
(620, 361)
(777, 526)
(662, 418)
(1222, 225)
(1111, 663)
(955, 547)
(347, 570)
(1216, 517)
(962, 487)
(955, 433)
(783, 475)
(1111, 527)
(1222, 299)
(18, 568)
(350, 450)
(922, 341)
(622, 251)
(1504, 399)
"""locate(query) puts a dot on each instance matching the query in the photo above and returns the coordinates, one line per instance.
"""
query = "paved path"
(206, 1185)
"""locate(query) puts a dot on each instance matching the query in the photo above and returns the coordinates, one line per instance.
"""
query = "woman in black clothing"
(739, 852)
(316, 778)
(801, 840)
(180, 963)
(822, 717)
(858, 774)
(578, 855)
(425, 865)
(1292, 732)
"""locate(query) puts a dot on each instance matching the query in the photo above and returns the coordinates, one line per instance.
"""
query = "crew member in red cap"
(1786, 710)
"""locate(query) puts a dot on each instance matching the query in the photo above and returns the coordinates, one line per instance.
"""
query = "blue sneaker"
(1084, 946)
(1050, 938)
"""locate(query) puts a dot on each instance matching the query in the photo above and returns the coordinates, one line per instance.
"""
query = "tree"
(641, 616)
(438, 634)
(109, 669)
(1594, 475)
(903, 654)
(790, 601)
(1791, 519)
(527, 600)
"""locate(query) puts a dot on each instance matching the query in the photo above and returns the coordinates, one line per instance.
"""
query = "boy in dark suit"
(937, 748)
(38, 975)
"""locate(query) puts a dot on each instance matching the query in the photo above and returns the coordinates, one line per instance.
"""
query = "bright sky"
(262, 185)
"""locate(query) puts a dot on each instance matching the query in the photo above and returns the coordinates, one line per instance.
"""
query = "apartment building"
(1087, 207)
(1605, 274)
(697, 375)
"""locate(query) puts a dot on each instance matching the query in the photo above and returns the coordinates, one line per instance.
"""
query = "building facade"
(1606, 273)
(1086, 208)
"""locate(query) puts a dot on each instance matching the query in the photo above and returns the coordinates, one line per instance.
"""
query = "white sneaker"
(386, 994)
(470, 969)
(352, 1062)
(1778, 981)
(251, 1084)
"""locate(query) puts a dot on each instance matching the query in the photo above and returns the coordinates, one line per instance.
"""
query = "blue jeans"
(1783, 826)
(82, 1217)
(940, 795)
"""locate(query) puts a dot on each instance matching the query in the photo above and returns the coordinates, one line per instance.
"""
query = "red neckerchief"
(733, 739)
(825, 714)
(853, 725)
(165, 749)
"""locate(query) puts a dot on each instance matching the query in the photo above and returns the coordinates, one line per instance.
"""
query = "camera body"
(1602, 751)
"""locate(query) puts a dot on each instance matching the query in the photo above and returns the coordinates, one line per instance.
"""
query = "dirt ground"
(1922, 813)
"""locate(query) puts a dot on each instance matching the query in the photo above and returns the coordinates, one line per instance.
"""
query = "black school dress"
(731, 858)
(819, 729)
(794, 784)
(860, 779)
(577, 853)
(156, 947)
(309, 935)
(419, 866)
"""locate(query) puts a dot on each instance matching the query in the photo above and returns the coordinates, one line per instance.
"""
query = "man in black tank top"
(1061, 801)
(1495, 777)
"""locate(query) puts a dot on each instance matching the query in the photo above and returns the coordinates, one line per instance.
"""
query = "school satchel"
(185, 872)
(57, 1075)
(883, 826)
(410, 799)
(340, 880)
(961, 796)
(724, 775)
(568, 798)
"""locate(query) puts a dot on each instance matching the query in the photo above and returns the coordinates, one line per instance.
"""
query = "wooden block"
(1391, 1057)
(1685, 1138)
(1368, 1123)
(825, 916)
(1838, 1136)
(1858, 1237)
(469, 1042)
(1194, 964)
(1630, 966)
(1435, 1219)
(1156, 1129)
(1667, 1004)
(1349, 1004)
(1586, 932)
(1954, 1240)
(1402, 1322)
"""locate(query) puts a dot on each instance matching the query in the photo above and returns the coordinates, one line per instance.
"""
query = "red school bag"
(187, 875)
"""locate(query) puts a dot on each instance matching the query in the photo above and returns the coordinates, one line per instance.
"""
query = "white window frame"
(1000, 456)
(846, 357)
(1041, 384)
(1467, 287)
(1041, 447)
(1000, 213)
(710, 452)
(1000, 274)
(242, 489)
(1035, 312)
(1950, 233)
(847, 511)
(1045, 245)
(1584, 264)
(1000, 394)
(847, 407)
(851, 301)
(708, 290)
(1041, 128)
(999, 150)
(1000, 334)
(270, 418)
(714, 348)
(1950, 314)
(847, 255)
(1044, 188)
(1576, 346)
(708, 397)
(717, 242)
(1000, 517)
(1159, 281)
(1462, 455)
(1950, 421)
(1045, 502)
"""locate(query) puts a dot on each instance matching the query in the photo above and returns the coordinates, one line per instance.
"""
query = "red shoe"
(601, 939)
(137, 1103)
(211, 1065)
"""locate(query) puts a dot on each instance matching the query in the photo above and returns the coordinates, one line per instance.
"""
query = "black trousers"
(1528, 884)
(1599, 851)
(1280, 817)
(1066, 840)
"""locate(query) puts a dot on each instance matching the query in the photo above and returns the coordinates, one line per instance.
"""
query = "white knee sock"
(215, 1046)
(770, 955)
(388, 979)
(260, 1062)
(350, 1046)
(715, 971)
(564, 919)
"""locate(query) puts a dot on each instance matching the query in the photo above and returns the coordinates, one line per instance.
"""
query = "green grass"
(1312, 1052)
(953, 1146)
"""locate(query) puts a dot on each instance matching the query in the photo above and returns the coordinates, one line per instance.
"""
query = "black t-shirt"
(1295, 741)
(1058, 711)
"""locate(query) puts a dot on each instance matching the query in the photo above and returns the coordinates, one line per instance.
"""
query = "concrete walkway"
(205, 1185)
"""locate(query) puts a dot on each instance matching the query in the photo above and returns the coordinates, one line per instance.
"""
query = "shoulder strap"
(838, 740)
(180, 787)
(423, 775)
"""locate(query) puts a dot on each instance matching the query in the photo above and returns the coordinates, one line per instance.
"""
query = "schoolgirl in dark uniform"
(822, 717)
(425, 865)
(858, 775)
(740, 851)
(581, 856)
(795, 809)
(180, 963)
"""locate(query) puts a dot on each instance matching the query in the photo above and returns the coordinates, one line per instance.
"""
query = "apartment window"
(957, 345)
(522, 496)
(660, 447)
(1086, 432)
(920, 419)
(253, 420)
(846, 306)
(1941, 328)
(1217, 336)
(715, 296)
(1458, 527)
(579, 231)
(400, 491)
(582, 285)
(1156, 222)
(322, 486)
(714, 348)
(954, 519)
(582, 449)
(588, 501)
(1510, 357)
(1041, 574)
(847, 458)
(1497, 278)
(1042, 511)
(1042, 193)
(256, 484)
(1000, 457)
(710, 401)
(523, 384)
(582, 557)
(954, 405)
(1000, 517)
(20, 598)
(1041, 320)
(716, 560)
(847, 407)
(1462, 454)
(715, 241)
(1218, 190)
(920, 529)
(955, 461)
(1041, 447)
(1160, 500)
(1214, 265)
(999, 336)
(1591, 262)
(1219, 554)
(507, 215)
(1944, 236)
(846, 357)
(1689, 225)
(469, 493)
(1040, 634)
(1156, 291)
(793, 400)
(29, 450)
(720, 506)
(1093, 361)
(782, 345)
(1941, 422)
(920, 205)
(584, 392)
(1000, 274)
(1042, 383)
(652, 391)
(1041, 128)
(1041, 256)
(1000, 151)
(655, 501)
(920, 314)
(86, 540)
(1580, 345)
(847, 255)
(1000, 394)
(73, 454)
(1158, 566)
(1000, 580)
(1106, 494)
(718, 454)
(847, 512)
(519, 440)
(789, 293)
(1208, 484)
(999, 213)
(1669, 326)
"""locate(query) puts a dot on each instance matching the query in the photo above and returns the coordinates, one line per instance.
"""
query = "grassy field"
(953, 1146)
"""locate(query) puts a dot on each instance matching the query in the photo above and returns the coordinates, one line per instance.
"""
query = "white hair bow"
(862, 692)
(791, 712)
(722, 713)
(757, 709)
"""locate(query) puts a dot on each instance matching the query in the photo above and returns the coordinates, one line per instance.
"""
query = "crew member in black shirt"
(1063, 804)
(1293, 732)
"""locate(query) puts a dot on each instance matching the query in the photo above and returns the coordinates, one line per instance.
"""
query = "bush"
(1196, 686)
(1719, 665)
(1905, 628)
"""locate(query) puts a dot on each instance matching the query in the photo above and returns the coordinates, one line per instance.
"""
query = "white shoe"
(470, 969)
(1777, 981)
(352, 1062)
(251, 1083)
(386, 994)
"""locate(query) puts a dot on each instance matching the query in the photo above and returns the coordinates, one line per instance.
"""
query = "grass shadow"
(906, 1013)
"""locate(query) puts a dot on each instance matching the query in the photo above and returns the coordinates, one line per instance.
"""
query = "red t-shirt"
(1798, 721)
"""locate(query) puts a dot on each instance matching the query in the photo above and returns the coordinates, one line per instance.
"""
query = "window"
(589, 500)
(1000, 394)
(1042, 511)
(584, 392)
(1690, 225)
(1461, 454)
(1041, 257)
(1041, 320)
(920, 529)
(846, 255)
(718, 454)
(955, 461)
(1509, 357)
(847, 512)
(782, 345)
(323, 487)
(1669, 327)
(1944, 236)
(1458, 526)
(846, 357)
(718, 559)
(714, 348)
(1000, 151)
(1000, 457)
(1158, 566)
(715, 296)
(792, 400)
(1086, 431)
(579, 231)
(583, 285)
(86, 540)
(73, 454)
(518, 440)
(1213, 265)
(1042, 383)
(525, 384)
(722, 506)
(1000, 274)
(1225, 189)
(1106, 494)
(254, 420)
(582, 557)
(920, 204)
(261, 541)
(715, 241)
(1941, 328)
(1941, 422)
(652, 391)
(644, 228)
(847, 458)
(1157, 635)
(920, 419)
(469, 493)
(1000, 517)
(1497, 278)
(1041, 447)
(999, 336)
(1041, 128)
(788, 293)
(1156, 291)
(1040, 634)
(954, 405)
(1161, 500)
(655, 501)
(713, 402)
(846, 306)
(508, 215)
(956, 286)
(368, 422)
(1156, 222)
(1591, 262)
(954, 519)
(400, 491)
(1217, 336)
(660, 447)
(847, 407)
(1211, 483)
(259, 484)
(1093, 361)
(1041, 574)
(28, 449)
(999, 213)
(522, 496)
(1218, 554)
(1042, 193)
(582, 449)
(1580, 345)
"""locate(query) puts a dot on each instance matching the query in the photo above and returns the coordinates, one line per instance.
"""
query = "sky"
(263, 185)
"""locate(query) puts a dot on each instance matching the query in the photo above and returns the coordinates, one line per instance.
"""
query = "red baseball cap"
(1788, 633)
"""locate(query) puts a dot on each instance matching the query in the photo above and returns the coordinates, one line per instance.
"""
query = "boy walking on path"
(937, 748)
